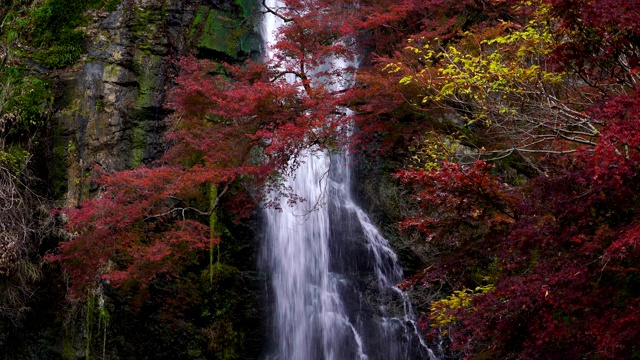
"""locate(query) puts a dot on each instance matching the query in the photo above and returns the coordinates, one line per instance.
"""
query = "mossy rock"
(225, 34)
(149, 78)
(50, 29)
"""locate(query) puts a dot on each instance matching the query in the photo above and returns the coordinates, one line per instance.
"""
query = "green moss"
(51, 28)
(67, 348)
(200, 15)
(58, 172)
(137, 147)
(145, 27)
(10, 36)
(111, 5)
(97, 320)
(219, 275)
(249, 43)
(249, 7)
(218, 35)
(224, 33)
(28, 100)
(112, 70)
(197, 20)
(147, 66)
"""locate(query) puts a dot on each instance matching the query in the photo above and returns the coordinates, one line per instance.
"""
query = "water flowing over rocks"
(332, 274)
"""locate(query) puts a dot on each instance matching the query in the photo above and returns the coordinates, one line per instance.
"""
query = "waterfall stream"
(332, 274)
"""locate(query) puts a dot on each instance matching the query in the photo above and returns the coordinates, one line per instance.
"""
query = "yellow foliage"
(500, 83)
(495, 70)
(441, 310)
(433, 149)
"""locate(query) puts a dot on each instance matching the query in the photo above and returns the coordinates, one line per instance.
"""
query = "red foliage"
(600, 40)
(465, 212)
(388, 24)
(235, 126)
(463, 196)
(567, 279)
(130, 231)
(562, 250)
(389, 114)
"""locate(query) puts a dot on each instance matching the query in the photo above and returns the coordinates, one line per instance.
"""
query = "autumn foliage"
(546, 269)
(234, 130)
(534, 214)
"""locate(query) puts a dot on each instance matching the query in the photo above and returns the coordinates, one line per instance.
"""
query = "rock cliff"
(85, 83)
(111, 103)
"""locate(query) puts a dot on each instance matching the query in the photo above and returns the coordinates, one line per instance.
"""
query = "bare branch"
(188, 208)
(275, 12)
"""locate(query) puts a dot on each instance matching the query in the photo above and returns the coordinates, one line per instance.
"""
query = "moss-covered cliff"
(83, 83)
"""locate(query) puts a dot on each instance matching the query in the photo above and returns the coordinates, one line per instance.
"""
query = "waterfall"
(332, 274)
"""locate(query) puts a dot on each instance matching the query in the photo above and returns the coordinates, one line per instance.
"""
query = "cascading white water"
(332, 274)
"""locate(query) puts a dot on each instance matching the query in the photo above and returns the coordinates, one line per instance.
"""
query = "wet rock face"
(112, 112)
(111, 108)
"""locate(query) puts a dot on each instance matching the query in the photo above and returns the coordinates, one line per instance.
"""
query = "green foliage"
(51, 21)
(66, 51)
(51, 28)
(223, 340)
(52, 31)
(14, 158)
(26, 101)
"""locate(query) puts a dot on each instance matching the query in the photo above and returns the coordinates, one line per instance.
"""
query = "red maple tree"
(235, 128)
